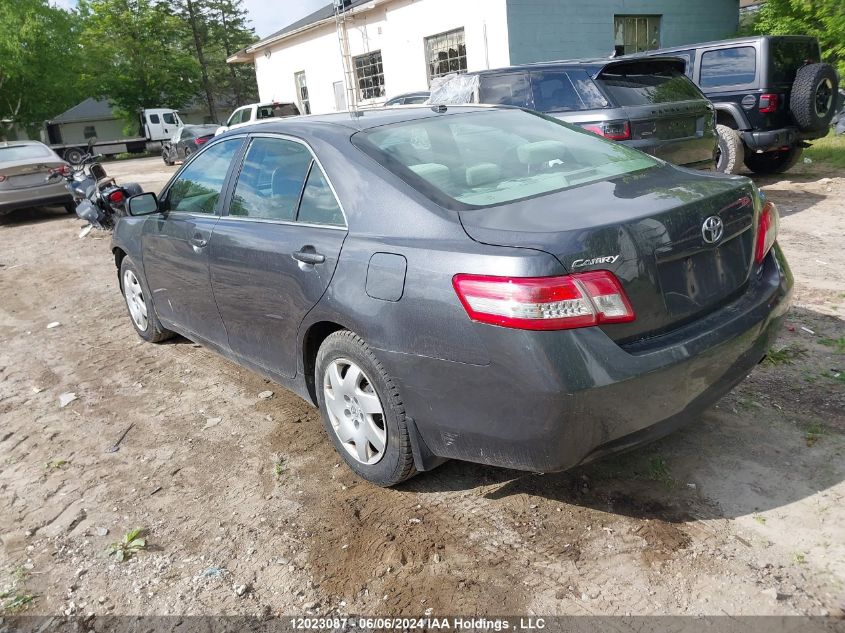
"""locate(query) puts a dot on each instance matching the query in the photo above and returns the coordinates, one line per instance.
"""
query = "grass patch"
(830, 150)
(131, 543)
(279, 467)
(760, 519)
(55, 464)
(14, 602)
(800, 558)
(784, 355)
(838, 344)
(814, 433)
(658, 470)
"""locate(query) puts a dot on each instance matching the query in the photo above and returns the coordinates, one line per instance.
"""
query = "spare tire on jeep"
(813, 99)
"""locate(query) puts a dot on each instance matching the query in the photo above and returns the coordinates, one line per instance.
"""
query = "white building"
(391, 43)
(398, 46)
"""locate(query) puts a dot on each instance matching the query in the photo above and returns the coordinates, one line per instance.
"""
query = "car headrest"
(482, 174)
(540, 152)
(435, 173)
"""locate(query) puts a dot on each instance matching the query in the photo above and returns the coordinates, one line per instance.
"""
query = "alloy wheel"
(355, 411)
(134, 295)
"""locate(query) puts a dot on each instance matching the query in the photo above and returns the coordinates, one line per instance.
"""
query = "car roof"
(19, 143)
(750, 39)
(360, 120)
(593, 66)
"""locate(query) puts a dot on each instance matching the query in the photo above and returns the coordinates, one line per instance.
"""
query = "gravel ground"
(247, 509)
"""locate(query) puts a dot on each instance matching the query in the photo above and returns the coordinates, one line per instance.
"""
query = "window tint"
(319, 206)
(790, 55)
(491, 158)
(154, 118)
(169, 118)
(728, 67)
(636, 84)
(198, 186)
(507, 89)
(271, 179)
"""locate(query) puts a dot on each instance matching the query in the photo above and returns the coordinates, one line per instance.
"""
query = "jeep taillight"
(614, 130)
(768, 103)
(544, 303)
(767, 231)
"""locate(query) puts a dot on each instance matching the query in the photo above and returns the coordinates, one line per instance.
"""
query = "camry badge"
(609, 259)
(712, 229)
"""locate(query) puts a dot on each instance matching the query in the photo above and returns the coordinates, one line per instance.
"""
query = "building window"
(89, 132)
(302, 92)
(370, 75)
(445, 53)
(636, 33)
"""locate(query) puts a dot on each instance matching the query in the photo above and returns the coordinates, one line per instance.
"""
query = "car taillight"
(116, 197)
(614, 130)
(201, 140)
(768, 103)
(544, 303)
(2, 177)
(64, 170)
(767, 231)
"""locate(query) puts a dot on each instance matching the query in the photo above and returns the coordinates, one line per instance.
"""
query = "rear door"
(274, 250)
(669, 116)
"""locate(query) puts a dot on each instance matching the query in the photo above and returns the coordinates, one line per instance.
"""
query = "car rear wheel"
(73, 155)
(775, 162)
(730, 150)
(141, 311)
(166, 157)
(813, 98)
(362, 410)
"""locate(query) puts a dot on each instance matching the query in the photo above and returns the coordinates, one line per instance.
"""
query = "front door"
(175, 244)
(274, 250)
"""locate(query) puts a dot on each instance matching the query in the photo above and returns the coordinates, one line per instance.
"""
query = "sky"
(267, 16)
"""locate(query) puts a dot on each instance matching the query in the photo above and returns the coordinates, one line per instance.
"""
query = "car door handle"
(308, 256)
(198, 241)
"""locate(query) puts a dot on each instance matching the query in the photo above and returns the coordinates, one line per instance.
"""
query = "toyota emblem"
(712, 229)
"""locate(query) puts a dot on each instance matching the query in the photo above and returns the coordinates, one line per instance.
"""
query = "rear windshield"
(24, 152)
(639, 85)
(787, 56)
(481, 159)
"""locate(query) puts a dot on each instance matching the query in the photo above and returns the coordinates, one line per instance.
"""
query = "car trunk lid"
(27, 173)
(646, 228)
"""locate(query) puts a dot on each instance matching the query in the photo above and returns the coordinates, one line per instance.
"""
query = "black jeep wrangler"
(772, 94)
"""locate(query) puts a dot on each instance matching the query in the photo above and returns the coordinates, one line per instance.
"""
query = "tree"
(135, 55)
(39, 59)
(823, 19)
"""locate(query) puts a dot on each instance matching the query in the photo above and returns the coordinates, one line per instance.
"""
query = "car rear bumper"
(551, 400)
(50, 194)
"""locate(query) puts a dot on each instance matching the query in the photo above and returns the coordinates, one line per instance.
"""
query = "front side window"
(271, 180)
(483, 159)
(369, 73)
(198, 186)
(445, 53)
(636, 33)
(169, 118)
(235, 118)
(302, 92)
(728, 67)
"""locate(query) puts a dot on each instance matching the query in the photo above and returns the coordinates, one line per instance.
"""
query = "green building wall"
(543, 30)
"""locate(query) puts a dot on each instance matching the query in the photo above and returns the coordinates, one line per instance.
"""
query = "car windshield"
(480, 159)
(640, 84)
(24, 152)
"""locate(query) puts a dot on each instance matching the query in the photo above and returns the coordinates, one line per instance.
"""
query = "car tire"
(395, 462)
(73, 155)
(775, 162)
(188, 152)
(731, 151)
(150, 328)
(814, 95)
(165, 156)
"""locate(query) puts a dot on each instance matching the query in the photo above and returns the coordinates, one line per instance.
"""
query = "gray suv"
(647, 104)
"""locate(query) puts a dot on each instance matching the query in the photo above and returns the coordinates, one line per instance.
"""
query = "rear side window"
(646, 88)
(787, 56)
(271, 180)
(197, 187)
(728, 67)
(507, 89)
(489, 158)
(558, 91)
(318, 205)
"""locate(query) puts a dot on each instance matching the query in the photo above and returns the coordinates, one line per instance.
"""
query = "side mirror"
(142, 204)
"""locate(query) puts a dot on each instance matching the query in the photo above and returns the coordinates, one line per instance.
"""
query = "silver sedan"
(24, 169)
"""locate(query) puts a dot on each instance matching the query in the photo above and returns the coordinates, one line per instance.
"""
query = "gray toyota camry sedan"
(468, 282)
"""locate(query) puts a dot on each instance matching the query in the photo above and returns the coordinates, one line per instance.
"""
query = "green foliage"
(784, 355)
(131, 543)
(135, 54)
(823, 19)
(837, 344)
(829, 150)
(658, 470)
(39, 59)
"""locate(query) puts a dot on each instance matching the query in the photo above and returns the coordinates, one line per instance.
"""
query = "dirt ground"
(248, 510)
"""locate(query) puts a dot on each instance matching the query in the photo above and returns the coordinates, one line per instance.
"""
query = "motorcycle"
(98, 199)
